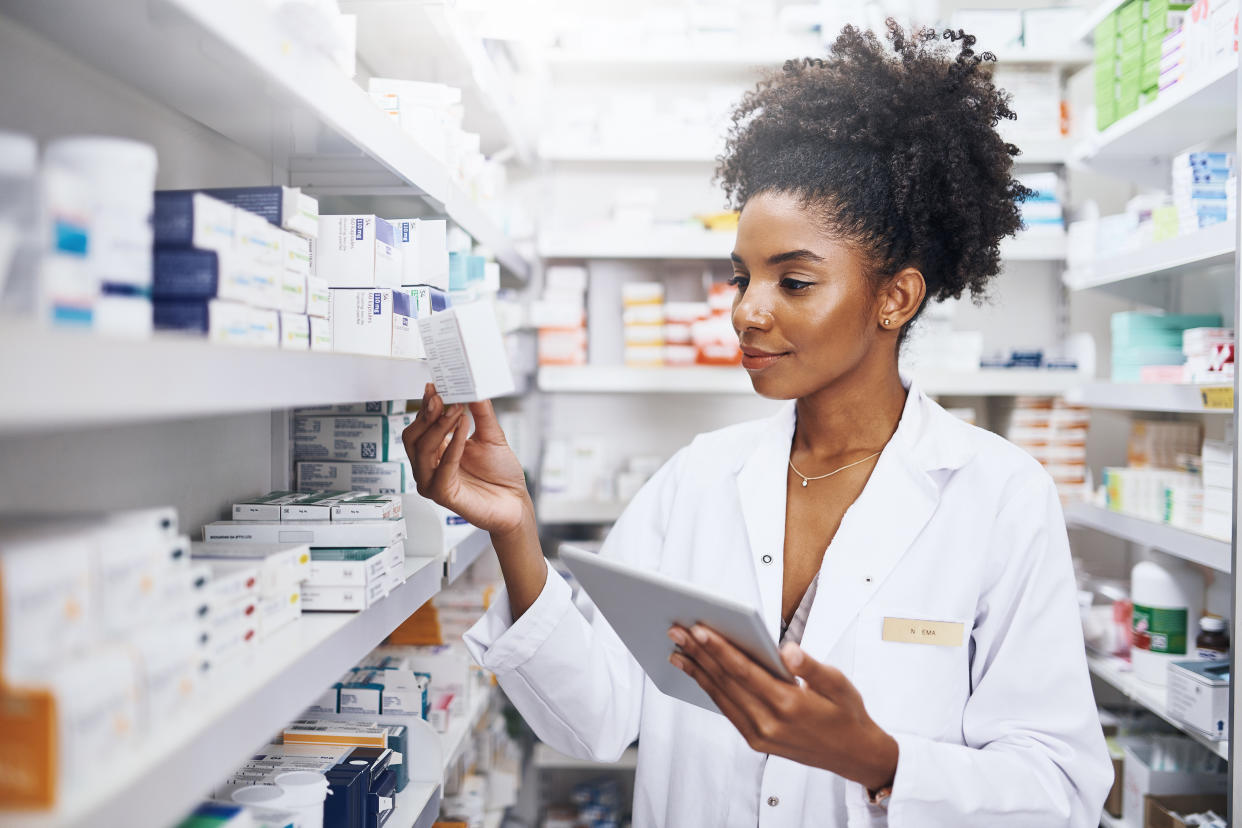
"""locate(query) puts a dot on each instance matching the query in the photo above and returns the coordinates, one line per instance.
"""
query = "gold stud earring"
(886, 321)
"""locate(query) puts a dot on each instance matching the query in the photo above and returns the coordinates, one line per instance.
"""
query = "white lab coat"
(955, 524)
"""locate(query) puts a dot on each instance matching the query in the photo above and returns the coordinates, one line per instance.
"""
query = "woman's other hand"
(820, 721)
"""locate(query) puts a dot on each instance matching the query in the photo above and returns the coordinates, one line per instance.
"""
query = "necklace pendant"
(804, 482)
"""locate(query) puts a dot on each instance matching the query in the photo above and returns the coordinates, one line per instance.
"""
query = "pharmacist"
(915, 568)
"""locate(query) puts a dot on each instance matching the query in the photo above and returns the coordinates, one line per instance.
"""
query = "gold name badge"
(913, 631)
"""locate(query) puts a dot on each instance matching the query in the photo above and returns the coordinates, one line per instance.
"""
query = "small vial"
(1212, 643)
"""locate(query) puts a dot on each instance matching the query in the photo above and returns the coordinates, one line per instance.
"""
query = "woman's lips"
(755, 360)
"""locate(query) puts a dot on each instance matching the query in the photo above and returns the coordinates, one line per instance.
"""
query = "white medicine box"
(371, 321)
(424, 251)
(357, 251)
(1199, 696)
(468, 358)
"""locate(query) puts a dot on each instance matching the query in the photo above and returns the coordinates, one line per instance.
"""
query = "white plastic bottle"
(1168, 600)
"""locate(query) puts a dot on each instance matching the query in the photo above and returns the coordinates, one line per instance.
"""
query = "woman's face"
(805, 311)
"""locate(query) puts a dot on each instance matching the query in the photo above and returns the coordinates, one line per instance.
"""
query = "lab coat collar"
(893, 508)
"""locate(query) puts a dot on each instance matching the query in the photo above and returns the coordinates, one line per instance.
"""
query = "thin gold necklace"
(806, 479)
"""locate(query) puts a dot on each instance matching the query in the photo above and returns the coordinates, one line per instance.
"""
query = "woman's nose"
(751, 311)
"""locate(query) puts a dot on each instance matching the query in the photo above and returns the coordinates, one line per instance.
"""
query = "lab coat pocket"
(907, 684)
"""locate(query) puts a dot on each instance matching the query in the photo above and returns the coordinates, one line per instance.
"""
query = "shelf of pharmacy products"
(408, 40)
(1211, 247)
(1150, 396)
(170, 772)
(1085, 30)
(1181, 543)
(548, 758)
(1138, 147)
(64, 378)
(235, 69)
(418, 806)
(1116, 673)
(681, 242)
(605, 379)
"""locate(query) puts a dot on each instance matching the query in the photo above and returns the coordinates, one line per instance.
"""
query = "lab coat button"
(767, 559)
(774, 801)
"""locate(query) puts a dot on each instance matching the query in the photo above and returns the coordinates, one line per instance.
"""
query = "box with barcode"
(376, 478)
(339, 437)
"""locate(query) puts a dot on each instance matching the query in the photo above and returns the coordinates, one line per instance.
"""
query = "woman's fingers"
(431, 408)
(429, 447)
(731, 710)
(450, 460)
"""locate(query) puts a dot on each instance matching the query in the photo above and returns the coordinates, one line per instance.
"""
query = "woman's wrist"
(882, 769)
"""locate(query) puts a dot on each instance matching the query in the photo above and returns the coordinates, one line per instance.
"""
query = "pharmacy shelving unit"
(231, 67)
(1201, 112)
(171, 772)
(1116, 673)
(1190, 546)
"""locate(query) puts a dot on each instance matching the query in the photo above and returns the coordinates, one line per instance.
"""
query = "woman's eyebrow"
(789, 256)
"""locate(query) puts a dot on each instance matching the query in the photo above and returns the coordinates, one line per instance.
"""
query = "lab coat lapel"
(761, 488)
(883, 523)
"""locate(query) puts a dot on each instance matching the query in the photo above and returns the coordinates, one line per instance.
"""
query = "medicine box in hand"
(467, 353)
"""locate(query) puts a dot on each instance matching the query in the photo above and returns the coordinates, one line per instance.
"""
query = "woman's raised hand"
(476, 476)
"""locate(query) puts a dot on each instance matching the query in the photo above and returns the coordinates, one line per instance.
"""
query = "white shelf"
(1210, 247)
(465, 551)
(1116, 673)
(547, 758)
(66, 379)
(605, 379)
(233, 68)
(1145, 396)
(1190, 546)
(559, 510)
(171, 771)
(430, 41)
(1138, 147)
(677, 242)
(417, 806)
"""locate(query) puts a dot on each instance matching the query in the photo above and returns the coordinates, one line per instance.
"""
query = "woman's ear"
(900, 299)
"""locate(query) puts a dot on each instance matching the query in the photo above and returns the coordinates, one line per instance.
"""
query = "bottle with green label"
(1168, 598)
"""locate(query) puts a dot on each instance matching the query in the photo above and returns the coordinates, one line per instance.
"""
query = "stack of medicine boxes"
(355, 540)
(269, 577)
(237, 265)
(110, 631)
(1129, 44)
(353, 447)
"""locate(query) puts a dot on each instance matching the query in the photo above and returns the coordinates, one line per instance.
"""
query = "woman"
(915, 568)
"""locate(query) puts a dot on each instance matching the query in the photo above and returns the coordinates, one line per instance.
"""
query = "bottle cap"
(1212, 623)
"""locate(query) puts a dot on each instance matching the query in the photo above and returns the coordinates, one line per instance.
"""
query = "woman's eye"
(795, 285)
(740, 282)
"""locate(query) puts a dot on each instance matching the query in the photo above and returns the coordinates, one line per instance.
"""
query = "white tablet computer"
(641, 606)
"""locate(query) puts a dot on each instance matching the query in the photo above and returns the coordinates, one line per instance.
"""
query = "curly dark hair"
(895, 150)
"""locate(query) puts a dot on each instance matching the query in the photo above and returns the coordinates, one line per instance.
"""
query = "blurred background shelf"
(1190, 546)
(1211, 247)
(1116, 673)
(1150, 396)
